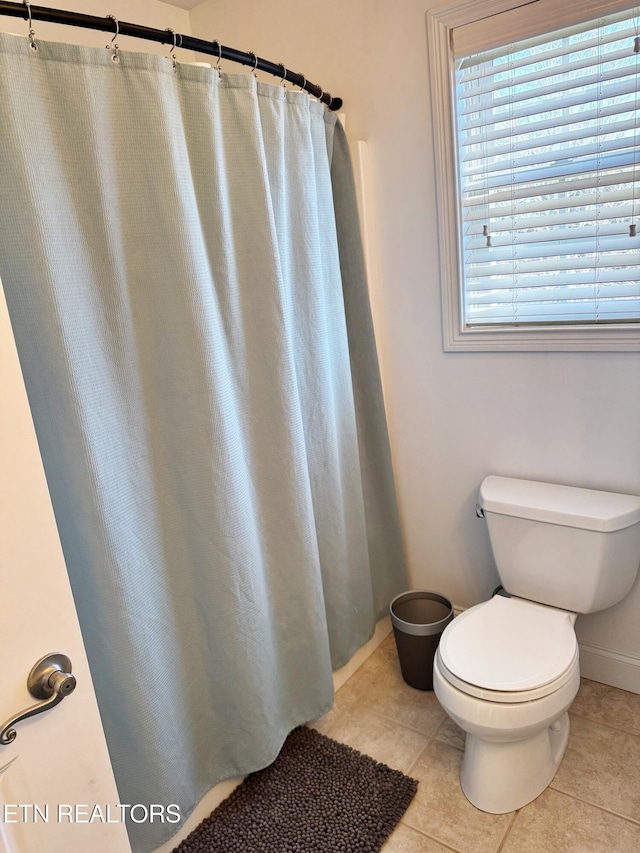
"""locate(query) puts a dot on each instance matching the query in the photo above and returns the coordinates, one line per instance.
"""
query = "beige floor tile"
(355, 690)
(382, 739)
(388, 647)
(451, 733)
(602, 766)
(603, 704)
(407, 840)
(359, 686)
(555, 823)
(324, 723)
(441, 810)
(378, 684)
(392, 696)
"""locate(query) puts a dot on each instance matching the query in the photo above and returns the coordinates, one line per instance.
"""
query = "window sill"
(610, 338)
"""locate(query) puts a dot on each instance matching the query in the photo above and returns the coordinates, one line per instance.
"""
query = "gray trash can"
(419, 617)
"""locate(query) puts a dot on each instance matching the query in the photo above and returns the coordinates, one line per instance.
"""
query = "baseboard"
(383, 629)
(610, 667)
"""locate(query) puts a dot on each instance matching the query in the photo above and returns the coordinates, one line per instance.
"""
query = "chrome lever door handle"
(50, 679)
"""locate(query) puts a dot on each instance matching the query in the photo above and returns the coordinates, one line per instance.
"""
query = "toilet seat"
(509, 650)
(511, 697)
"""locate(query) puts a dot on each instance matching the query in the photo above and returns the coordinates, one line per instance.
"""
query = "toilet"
(507, 670)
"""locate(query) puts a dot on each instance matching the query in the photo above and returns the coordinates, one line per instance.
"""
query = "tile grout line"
(408, 726)
(600, 723)
(432, 738)
(631, 820)
(430, 837)
(387, 719)
(417, 759)
(508, 831)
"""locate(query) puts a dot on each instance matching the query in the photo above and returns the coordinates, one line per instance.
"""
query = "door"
(57, 791)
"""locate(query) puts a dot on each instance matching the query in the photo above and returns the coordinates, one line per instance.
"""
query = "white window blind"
(549, 175)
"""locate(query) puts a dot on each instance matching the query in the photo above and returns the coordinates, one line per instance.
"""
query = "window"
(538, 146)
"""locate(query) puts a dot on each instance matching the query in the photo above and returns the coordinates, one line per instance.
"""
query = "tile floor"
(592, 805)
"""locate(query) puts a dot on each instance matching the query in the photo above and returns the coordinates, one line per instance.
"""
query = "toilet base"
(501, 777)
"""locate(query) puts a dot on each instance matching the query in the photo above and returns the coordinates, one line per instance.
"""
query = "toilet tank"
(576, 549)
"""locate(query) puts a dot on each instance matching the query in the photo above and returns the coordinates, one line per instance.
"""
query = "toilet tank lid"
(565, 505)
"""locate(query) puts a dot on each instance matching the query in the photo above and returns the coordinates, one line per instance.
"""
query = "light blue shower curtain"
(205, 390)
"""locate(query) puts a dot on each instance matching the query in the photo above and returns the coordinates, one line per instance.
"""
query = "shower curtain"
(181, 260)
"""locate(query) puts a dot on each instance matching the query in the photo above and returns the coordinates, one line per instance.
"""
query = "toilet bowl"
(510, 691)
(507, 670)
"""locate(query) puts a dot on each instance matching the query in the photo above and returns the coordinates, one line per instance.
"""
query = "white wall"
(454, 417)
(151, 13)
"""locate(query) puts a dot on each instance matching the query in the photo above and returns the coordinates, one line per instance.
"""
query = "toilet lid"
(509, 645)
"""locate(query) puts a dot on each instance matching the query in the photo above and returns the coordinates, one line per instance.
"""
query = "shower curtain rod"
(214, 48)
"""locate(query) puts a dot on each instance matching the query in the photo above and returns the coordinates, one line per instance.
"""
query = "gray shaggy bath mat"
(318, 795)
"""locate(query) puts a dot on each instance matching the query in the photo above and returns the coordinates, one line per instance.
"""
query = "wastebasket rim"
(421, 627)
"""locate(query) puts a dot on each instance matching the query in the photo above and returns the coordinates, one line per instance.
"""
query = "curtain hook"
(255, 62)
(304, 83)
(172, 52)
(115, 48)
(283, 79)
(32, 32)
(171, 56)
(219, 60)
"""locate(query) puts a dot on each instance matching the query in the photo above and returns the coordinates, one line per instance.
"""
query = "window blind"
(549, 176)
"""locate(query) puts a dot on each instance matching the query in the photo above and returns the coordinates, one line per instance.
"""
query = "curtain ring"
(115, 48)
(302, 89)
(32, 32)
(255, 62)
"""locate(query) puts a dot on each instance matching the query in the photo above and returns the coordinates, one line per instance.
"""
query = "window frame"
(441, 21)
